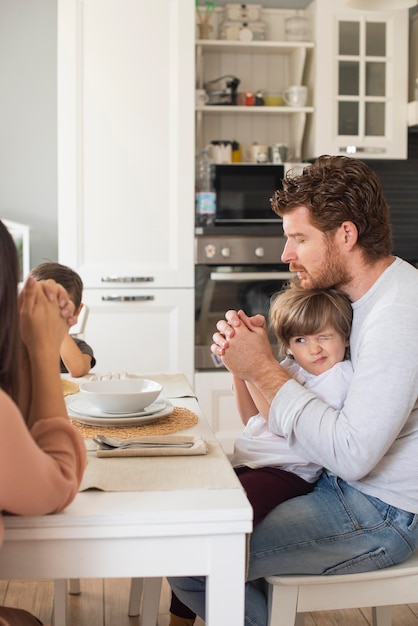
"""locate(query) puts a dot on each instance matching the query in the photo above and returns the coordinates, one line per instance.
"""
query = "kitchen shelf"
(252, 110)
(263, 47)
(266, 65)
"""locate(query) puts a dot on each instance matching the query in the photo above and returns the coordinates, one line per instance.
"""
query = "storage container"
(243, 12)
(297, 28)
(244, 31)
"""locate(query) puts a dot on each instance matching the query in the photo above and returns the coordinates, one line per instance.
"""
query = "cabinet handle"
(127, 298)
(127, 279)
(245, 276)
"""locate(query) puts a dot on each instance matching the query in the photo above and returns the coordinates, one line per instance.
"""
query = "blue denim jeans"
(335, 529)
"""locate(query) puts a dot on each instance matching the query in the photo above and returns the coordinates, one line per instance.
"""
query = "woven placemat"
(179, 419)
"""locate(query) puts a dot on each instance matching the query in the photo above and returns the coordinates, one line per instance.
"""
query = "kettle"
(222, 90)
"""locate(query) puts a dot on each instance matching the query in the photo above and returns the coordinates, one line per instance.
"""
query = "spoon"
(110, 443)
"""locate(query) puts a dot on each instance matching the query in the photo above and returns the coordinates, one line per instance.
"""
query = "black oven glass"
(215, 296)
(243, 192)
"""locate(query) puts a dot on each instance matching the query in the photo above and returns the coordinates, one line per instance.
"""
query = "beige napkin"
(175, 385)
(198, 447)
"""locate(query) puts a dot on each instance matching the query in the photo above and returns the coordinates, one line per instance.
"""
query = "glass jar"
(297, 28)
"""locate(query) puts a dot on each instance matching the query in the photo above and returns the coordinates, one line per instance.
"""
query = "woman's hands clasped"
(46, 313)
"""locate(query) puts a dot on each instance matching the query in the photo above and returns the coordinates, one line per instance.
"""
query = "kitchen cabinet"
(360, 79)
(216, 399)
(126, 175)
(269, 65)
(141, 330)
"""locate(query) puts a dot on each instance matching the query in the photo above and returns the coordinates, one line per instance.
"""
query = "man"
(363, 512)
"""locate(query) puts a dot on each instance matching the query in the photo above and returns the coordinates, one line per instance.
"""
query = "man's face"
(316, 258)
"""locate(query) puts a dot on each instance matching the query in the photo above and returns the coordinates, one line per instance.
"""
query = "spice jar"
(236, 152)
(249, 99)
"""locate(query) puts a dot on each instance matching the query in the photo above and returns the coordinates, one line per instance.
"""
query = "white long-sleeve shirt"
(259, 447)
(372, 442)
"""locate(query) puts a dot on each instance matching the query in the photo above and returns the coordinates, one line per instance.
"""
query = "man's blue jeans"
(335, 529)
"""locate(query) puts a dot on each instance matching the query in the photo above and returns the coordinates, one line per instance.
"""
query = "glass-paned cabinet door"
(362, 69)
(360, 81)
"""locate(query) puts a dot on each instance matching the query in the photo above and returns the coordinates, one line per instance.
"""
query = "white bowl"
(126, 395)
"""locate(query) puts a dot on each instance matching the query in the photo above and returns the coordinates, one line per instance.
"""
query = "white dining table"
(193, 518)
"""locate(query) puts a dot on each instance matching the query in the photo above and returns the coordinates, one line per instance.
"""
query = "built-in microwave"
(243, 191)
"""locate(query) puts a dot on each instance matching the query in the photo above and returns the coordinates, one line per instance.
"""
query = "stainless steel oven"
(233, 272)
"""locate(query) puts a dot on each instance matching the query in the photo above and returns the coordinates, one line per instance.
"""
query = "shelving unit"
(265, 65)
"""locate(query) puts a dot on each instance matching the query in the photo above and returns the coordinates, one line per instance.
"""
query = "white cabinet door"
(361, 82)
(216, 399)
(126, 139)
(139, 330)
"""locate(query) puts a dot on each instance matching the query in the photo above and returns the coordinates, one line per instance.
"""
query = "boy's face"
(319, 352)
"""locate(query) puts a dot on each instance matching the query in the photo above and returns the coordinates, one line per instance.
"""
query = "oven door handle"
(245, 276)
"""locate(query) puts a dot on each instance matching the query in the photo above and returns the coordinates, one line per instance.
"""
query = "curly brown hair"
(337, 189)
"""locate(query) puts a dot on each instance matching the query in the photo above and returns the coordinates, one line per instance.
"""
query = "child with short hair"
(77, 356)
(313, 329)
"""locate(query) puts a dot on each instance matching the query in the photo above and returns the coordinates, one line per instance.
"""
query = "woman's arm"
(42, 328)
(41, 470)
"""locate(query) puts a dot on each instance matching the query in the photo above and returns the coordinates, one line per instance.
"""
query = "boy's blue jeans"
(335, 529)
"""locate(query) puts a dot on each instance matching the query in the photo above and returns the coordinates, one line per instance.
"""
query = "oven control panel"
(220, 250)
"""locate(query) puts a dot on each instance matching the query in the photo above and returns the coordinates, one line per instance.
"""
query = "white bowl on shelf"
(126, 395)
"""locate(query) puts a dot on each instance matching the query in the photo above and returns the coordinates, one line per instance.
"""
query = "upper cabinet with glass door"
(361, 82)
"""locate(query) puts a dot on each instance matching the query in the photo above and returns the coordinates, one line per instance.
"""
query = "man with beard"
(362, 514)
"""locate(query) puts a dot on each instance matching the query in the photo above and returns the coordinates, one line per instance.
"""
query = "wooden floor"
(105, 603)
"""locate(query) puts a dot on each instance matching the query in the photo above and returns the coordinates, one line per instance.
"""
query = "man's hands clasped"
(242, 343)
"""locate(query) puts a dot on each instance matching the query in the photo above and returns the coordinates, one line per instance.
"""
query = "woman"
(42, 455)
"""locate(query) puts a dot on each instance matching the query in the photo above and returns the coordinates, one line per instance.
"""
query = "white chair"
(146, 589)
(291, 596)
(79, 328)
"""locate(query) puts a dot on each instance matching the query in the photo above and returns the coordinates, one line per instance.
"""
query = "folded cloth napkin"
(163, 445)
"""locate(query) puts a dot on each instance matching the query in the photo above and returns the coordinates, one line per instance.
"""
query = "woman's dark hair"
(9, 327)
(337, 189)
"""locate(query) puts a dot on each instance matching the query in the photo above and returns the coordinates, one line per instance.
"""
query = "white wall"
(28, 116)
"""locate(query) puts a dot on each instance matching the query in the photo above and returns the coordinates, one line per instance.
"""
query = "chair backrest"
(79, 328)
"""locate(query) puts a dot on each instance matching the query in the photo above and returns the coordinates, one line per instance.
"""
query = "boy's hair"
(64, 276)
(296, 311)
